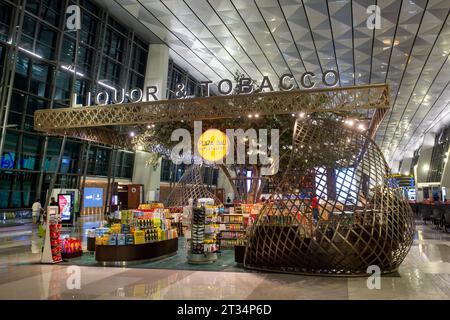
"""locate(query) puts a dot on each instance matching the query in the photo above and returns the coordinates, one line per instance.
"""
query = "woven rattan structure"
(190, 186)
(360, 221)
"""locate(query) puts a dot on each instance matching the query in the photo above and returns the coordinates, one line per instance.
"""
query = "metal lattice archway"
(360, 220)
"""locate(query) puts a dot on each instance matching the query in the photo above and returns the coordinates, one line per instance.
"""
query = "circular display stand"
(135, 253)
(202, 258)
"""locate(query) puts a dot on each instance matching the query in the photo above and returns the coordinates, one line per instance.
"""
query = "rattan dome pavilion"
(361, 220)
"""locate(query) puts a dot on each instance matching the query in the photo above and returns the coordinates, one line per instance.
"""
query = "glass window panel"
(5, 20)
(50, 15)
(29, 26)
(47, 36)
(17, 102)
(22, 65)
(15, 119)
(33, 6)
(35, 104)
(67, 50)
(31, 145)
(26, 42)
(85, 56)
(40, 72)
(11, 141)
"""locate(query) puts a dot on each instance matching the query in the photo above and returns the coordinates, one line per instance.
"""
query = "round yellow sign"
(212, 145)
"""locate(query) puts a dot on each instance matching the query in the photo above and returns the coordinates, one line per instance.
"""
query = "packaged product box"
(125, 228)
(101, 241)
(139, 237)
(98, 241)
(101, 231)
(129, 239)
(121, 239)
(139, 240)
(112, 241)
(116, 228)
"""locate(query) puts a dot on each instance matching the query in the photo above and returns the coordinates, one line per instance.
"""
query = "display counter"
(126, 254)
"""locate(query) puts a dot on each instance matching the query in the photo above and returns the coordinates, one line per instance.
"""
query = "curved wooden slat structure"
(360, 220)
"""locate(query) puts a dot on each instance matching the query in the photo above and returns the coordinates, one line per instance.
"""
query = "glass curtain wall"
(109, 54)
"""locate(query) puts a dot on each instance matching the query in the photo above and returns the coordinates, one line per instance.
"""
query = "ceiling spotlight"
(361, 127)
(250, 116)
(302, 115)
(293, 115)
(256, 115)
(149, 126)
(153, 126)
(132, 134)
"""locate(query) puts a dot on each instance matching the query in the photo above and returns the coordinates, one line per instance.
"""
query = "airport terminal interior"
(224, 149)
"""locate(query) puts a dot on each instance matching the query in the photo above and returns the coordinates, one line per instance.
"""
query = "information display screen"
(93, 197)
(65, 202)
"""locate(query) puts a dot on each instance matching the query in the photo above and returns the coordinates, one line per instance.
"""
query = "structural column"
(423, 165)
(426, 151)
(157, 69)
(156, 75)
(405, 168)
(445, 181)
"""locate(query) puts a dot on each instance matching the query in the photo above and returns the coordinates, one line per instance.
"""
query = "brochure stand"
(52, 242)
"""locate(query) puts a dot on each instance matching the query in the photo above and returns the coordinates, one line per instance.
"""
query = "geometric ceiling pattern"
(212, 39)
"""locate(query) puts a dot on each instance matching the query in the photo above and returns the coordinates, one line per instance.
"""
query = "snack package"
(121, 240)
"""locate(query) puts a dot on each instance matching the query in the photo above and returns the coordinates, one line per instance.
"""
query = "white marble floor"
(425, 274)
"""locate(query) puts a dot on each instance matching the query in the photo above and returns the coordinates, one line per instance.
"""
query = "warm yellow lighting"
(212, 145)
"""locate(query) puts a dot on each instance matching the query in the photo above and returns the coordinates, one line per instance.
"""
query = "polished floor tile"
(425, 274)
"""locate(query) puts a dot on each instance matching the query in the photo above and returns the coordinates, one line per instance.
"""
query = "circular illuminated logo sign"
(212, 145)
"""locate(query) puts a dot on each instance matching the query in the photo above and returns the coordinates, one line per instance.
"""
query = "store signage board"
(93, 197)
(213, 145)
(65, 204)
(400, 180)
(225, 87)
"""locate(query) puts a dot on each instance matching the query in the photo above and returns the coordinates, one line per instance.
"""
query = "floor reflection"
(425, 274)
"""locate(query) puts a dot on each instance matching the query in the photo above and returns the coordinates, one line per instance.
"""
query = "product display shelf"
(229, 236)
(204, 244)
(52, 251)
(145, 234)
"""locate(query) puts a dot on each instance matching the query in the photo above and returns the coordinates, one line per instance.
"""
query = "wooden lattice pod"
(360, 221)
(190, 186)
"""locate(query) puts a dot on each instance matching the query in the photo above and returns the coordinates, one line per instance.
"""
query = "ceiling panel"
(213, 39)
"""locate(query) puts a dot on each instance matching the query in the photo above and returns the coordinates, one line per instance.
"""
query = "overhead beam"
(219, 107)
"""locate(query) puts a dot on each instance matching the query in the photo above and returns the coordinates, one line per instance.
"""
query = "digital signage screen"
(65, 206)
(93, 197)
